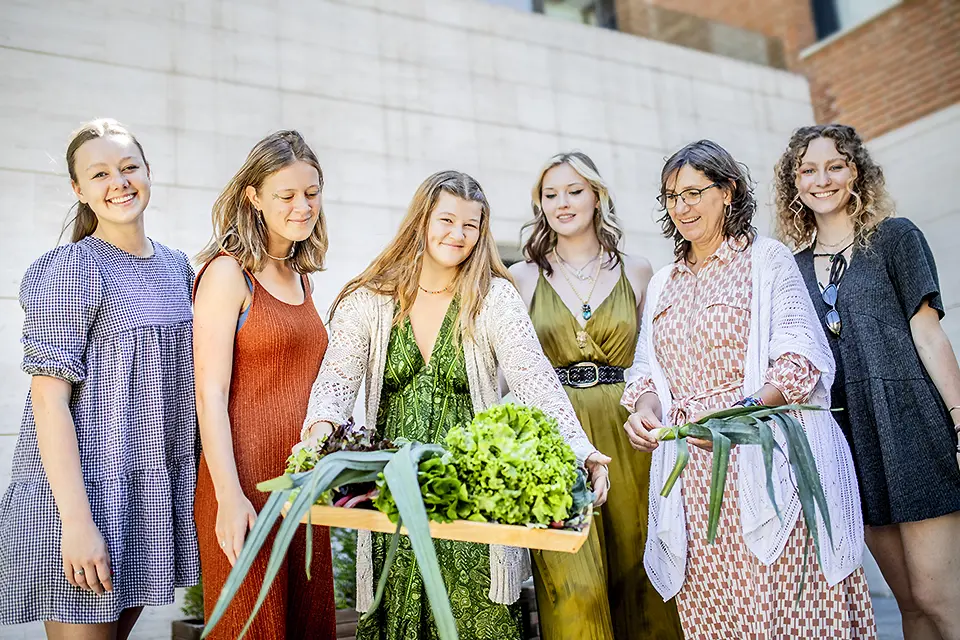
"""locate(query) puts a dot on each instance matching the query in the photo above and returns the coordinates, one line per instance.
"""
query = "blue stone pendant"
(587, 312)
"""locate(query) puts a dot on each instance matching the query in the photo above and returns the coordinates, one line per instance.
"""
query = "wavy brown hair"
(237, 229)
(396, 271)
(84, 221)
(543, 239)
(868, 206)
(718, 166)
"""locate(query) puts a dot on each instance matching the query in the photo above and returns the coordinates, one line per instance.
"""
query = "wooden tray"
(464, 530)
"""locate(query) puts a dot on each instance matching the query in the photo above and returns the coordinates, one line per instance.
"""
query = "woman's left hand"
(596, 464)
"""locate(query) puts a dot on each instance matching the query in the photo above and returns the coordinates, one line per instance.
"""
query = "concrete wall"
(386, 91)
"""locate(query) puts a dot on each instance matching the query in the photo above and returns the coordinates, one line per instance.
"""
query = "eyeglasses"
(690, 197)
(829, 296)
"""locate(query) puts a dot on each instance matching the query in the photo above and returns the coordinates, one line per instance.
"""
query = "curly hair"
(869, 205)
(718, 166)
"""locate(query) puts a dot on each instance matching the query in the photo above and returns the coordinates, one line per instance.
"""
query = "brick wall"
(788, 24)
(899, 67)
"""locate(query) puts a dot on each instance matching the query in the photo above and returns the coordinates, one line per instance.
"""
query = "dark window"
(832, 16)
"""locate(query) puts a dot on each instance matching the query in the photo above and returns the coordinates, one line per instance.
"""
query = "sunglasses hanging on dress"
(838, 267)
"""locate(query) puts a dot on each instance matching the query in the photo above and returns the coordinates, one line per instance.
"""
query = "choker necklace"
(578, 273)
(838, 266)
(433, 293)
(293, 249)
(834, 246)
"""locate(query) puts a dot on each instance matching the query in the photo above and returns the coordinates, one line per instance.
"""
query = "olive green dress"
(571, 594)
(422, 401)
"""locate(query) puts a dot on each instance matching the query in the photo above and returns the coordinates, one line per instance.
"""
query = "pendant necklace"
(586, 311)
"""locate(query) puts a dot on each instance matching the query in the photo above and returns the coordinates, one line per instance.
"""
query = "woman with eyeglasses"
(874, 283)
(730, 323)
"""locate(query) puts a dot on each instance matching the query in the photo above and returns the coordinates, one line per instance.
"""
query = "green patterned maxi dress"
(422, 401)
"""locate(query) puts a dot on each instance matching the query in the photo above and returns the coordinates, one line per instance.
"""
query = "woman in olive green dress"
(585, 298)
(426, 326)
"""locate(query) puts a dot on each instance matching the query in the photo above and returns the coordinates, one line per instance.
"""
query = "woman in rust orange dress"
(258, 344)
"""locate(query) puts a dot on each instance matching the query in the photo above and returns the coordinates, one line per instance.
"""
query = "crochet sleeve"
(527, 370)
(344, 365)
(639, 377)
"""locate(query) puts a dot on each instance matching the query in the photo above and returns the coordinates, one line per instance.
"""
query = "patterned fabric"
(276, 355)
(712, 312)
(504, 337)
(422, 401)
(118, 327)
(905, 475)
(701, 327)
(601, 592)
(782, 321)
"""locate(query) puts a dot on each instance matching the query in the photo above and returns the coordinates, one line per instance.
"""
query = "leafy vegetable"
(445, 497)
(751, 426)
(516, 466)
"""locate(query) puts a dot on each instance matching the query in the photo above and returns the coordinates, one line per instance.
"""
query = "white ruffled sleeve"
(344, 365)
(528, 372)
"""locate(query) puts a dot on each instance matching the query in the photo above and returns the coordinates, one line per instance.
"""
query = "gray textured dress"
(899, 431)
(118, 327)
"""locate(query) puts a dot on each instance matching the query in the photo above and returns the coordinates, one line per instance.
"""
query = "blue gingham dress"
(119, 328)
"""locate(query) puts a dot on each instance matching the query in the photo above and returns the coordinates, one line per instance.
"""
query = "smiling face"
(823, 178)
(701, 224)
(567, 200)
(112, 179)
(452, 231)
(289, 200)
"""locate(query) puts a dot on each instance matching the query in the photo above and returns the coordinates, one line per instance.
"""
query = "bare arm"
(221, 296)
(82, 545)
(936, 354)
(638, 272)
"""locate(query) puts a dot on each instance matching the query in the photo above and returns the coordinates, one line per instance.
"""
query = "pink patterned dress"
(701, 326)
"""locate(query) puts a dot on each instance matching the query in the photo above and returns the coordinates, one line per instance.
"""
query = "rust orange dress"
(276, 357)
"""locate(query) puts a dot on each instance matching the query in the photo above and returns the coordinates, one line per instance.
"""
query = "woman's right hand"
(235, 516)
(640, 424)
(86, 561)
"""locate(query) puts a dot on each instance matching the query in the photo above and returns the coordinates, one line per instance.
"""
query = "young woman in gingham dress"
(97, 521)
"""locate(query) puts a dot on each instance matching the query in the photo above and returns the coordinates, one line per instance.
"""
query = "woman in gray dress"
(873, 281)
(98, 519)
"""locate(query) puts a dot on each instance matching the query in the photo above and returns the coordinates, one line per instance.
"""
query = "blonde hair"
(543, 239)
(237, 227)
(84, 221)
(396, 271)
(869, 205)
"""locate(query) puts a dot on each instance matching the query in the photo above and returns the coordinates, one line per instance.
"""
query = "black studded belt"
(588, 374)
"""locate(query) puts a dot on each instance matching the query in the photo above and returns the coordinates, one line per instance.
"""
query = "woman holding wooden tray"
(426, 326)
(585, 297)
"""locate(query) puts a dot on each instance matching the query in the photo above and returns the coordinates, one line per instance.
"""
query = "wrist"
(77, 518)
(647, 400)
(750, 401)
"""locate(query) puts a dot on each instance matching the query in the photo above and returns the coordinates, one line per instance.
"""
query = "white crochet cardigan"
(504, 336)
(782, 320)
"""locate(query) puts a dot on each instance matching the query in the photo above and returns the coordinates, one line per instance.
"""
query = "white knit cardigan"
(503, 335)
(782, 320)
